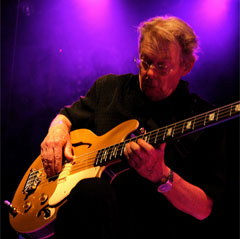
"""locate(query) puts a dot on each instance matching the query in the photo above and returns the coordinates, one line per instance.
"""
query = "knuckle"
(43, 144)
(42, 154)
(49, 162)
(58, 168)
(56, 143)
(52, 143)
(58, 157)
(137, 150)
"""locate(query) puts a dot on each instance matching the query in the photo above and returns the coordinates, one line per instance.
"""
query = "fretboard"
(172, 131)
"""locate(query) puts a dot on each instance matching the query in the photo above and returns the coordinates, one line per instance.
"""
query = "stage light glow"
(92, 9)
(214, 9)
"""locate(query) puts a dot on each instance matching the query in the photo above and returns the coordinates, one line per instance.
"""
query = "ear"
(187, 66)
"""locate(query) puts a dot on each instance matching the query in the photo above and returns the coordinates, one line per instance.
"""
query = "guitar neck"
(172, 131)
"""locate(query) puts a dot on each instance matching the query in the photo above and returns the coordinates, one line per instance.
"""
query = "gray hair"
(169, 29)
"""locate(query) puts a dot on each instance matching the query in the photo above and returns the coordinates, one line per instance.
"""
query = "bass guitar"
(38, 197)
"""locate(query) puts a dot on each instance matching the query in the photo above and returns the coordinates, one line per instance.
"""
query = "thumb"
(68, 151)
(162, 147)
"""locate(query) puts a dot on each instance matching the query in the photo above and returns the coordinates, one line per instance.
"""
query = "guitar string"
(149, 134)
(46, 180)
(83, 166)
(151, 138)
(82, 163)
(163, 129)
(140, 136)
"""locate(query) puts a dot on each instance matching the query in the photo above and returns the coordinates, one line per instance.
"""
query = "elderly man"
(178, 183)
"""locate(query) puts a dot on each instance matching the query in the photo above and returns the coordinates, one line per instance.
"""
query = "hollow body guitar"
(38, 198)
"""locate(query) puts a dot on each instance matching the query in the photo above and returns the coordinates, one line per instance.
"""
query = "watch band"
(165, 185)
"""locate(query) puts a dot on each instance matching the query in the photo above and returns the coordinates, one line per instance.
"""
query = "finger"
(144, 145)
(44, 159)
(68, 151)
(162, 147)
(142, 150)
(44, 162)
(49, 168)
(132, 149)
(134, 155)
(43, 150)
(43, 154)
(125, 153)
(57, 159)
(132, 163)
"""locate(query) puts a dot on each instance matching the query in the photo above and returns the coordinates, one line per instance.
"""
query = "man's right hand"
(56, 144)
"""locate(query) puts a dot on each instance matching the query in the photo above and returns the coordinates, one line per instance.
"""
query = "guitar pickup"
(32, 181)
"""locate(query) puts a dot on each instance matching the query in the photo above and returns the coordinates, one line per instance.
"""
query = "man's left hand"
(146, 160)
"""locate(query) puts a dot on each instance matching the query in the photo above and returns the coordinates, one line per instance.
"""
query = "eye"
(162, 66)
(145, 63)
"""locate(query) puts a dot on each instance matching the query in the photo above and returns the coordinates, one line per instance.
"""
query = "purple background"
(58, 48)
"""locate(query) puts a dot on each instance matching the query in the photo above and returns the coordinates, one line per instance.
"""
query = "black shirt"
(197, 158)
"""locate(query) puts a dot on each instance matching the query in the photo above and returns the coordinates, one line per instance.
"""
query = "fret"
(184, 127)
(103, 156)
(122, 149)
(204, 123)
(173, 131)
(97, 158)
(230, 113)
(164, 134)
(146, 138)
(106, 154)
(115, 150)
(111, 154)
(155, 140)
(193, 124)
(135, 139)
(149, 137)
(217, 114)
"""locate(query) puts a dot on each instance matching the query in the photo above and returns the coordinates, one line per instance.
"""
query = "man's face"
(162, 77)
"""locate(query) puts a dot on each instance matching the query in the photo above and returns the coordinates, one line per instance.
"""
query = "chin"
(156, 98)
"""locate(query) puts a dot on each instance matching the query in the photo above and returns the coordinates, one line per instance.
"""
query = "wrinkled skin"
(56, 144)
(146, 160)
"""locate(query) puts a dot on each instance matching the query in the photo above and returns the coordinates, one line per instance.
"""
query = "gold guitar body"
(38, 198)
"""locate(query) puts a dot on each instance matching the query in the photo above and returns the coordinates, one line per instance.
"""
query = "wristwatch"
(165, 185)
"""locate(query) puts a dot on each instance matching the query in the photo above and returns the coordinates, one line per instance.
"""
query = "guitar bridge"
(32, 181)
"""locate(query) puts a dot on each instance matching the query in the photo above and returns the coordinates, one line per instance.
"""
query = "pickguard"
(67, 182)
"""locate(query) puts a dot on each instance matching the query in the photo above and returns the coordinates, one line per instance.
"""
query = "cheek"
(167, 85)
(172, 84)
(162, 84)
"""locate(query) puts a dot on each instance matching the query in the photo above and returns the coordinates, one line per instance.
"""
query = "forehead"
(164, 51)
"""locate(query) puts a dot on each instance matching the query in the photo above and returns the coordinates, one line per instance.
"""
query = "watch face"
(165, 187)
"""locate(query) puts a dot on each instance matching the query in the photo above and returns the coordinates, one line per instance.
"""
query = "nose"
(151, 72)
